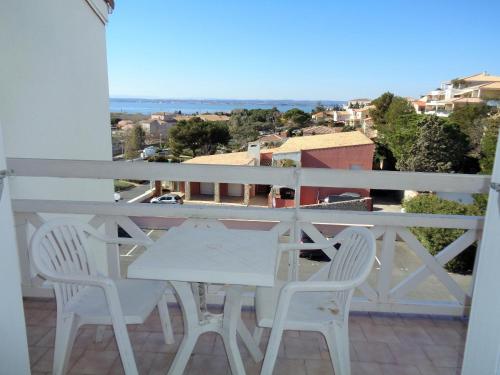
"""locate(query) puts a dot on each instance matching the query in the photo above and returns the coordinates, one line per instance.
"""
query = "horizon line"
(228, 99)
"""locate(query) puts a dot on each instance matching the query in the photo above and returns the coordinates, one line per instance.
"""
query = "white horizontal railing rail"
(442, 182)
(385, 291)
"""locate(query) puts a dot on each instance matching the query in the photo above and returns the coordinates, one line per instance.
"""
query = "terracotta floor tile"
(289, 367)
(144, 362)
(44, 364)
(205, 343)
(95, 362)
(36, 353)
(379, 333)
(415, 335)
(156, 343)
(409, 354)
(48, 340)
(137, 338)
(390, 369)
(161, 363)
(34, 316)
(302, 348)
(414, 320)
(356, 332)
(204, 364)
(36, 333)
(365, 368)
(433, 370)
(87, 335)
(373, 352)
(318, 367)
(445, 335)
(360, 319)
(387, 319)
(443, 355)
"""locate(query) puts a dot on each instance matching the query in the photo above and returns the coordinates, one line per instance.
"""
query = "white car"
(167, 199)
(148, 152)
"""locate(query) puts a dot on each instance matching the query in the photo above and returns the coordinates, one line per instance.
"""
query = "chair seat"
(307, 309)
(137, 297)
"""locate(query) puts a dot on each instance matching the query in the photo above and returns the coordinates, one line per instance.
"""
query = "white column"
(246, 194)
(13, 345)
(216, 192)
(482, 350)
(187, 190)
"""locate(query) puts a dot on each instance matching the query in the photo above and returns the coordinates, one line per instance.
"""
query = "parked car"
(167, 199)
(148, 152)
(341, 197)
(316, 255)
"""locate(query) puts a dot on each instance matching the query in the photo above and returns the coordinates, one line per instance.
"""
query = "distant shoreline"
(190, 106)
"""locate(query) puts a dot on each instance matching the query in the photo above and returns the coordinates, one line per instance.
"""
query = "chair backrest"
(60, 248)
(353, 260)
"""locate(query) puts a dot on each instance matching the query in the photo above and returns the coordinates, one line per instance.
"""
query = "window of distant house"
(355, 167)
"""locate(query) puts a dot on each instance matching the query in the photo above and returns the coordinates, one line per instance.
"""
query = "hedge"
(436, 239)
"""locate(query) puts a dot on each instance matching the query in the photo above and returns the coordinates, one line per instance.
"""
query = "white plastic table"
(219, 256)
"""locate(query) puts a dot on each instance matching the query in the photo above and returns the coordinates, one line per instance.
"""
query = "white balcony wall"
(54, 91)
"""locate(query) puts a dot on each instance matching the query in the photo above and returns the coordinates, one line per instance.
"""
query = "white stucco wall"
(54, 94)
(54, 91)
(13, 342)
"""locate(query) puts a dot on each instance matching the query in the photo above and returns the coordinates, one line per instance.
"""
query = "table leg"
(249, 342)
(232, 316)
(191, 327)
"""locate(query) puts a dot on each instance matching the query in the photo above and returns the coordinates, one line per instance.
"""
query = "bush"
(436, 239)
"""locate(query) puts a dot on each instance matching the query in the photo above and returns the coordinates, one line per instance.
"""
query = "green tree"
(198, 136)
(439, 147)
(297, 117)
(470, 120)
(436, 239)
(396, 123)
(382, 103)
(134, 142)
(489, 144)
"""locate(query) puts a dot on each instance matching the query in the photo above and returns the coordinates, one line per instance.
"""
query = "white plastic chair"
(60, 253)
(321, 306)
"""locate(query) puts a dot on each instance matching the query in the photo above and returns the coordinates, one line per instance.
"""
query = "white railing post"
(112, 250)
(21, 225)
(386, 264)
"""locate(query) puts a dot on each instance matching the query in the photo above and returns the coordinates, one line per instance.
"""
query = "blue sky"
(279, 49)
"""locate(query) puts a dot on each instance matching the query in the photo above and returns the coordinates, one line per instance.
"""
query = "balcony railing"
(389, 289)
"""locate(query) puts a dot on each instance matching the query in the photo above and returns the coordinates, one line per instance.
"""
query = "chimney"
(253, 151)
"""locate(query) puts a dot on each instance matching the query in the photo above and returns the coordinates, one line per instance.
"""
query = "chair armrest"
(317, 286)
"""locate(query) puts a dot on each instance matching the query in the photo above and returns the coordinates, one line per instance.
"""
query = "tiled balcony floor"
(380, 344)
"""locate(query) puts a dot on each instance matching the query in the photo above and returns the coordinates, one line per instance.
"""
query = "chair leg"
(166, 323)
(232, 315)
(272, 348)
(124, 346)
(66, 331)
(337, 339)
